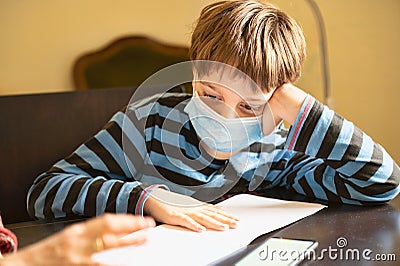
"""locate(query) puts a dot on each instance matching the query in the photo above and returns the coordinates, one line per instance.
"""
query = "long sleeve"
(96, 178)
(331, 159)
(322, 156)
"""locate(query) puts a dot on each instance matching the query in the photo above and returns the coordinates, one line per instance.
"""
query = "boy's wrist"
(286, 102)
(150, 204)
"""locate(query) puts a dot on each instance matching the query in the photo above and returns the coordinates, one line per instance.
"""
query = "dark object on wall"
(125, 62)
(40, 129)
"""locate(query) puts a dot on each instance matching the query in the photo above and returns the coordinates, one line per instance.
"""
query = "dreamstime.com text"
(340, 252)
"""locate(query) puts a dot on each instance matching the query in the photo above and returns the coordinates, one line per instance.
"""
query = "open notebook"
(172, 245)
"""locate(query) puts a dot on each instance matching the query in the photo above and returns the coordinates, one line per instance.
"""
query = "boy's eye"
(210, 96)
(253, 110)
(248, 107)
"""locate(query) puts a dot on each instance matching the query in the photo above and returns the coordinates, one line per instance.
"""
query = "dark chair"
(40, 129)
(125, 62)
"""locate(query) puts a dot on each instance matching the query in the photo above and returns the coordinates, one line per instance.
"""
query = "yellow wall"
(40, 39)
(364, 41)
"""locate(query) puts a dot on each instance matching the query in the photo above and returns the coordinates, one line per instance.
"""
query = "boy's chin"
(220, 155)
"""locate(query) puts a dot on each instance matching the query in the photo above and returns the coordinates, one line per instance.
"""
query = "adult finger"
(120, 223)
(114, 241)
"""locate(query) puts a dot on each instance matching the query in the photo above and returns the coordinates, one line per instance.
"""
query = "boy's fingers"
(188, 222)
(219, 210)
(209, 221)
(221, 218)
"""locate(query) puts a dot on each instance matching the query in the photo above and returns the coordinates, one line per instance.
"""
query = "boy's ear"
(268, 121)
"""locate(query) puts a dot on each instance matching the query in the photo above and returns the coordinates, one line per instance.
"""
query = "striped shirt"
(152, 143)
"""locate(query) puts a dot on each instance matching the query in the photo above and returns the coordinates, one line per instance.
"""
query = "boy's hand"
(197, 217)
(286, 102)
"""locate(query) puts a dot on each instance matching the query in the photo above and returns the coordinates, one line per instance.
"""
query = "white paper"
(172, 245)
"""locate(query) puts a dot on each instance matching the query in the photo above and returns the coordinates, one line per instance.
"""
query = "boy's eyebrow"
(208, 84)
(250, 99)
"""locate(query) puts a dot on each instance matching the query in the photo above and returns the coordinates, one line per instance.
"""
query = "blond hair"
(258, 39)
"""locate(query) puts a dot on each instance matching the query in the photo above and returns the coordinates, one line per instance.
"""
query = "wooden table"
(374, 228)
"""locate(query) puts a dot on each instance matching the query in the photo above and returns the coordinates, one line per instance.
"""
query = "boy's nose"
(227, 111)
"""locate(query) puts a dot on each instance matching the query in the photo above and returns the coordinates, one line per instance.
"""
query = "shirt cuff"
(144, 196)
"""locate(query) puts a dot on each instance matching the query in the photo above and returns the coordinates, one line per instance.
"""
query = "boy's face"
(229, 103)
(231, 96)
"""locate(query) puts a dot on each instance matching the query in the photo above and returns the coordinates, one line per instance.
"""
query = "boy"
(322, 155)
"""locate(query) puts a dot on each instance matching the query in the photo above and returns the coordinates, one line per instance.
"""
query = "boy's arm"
(96, 179)
(92, 180)
(332, 159)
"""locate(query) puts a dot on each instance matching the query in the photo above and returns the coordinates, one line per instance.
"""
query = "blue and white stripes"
(152, 144)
